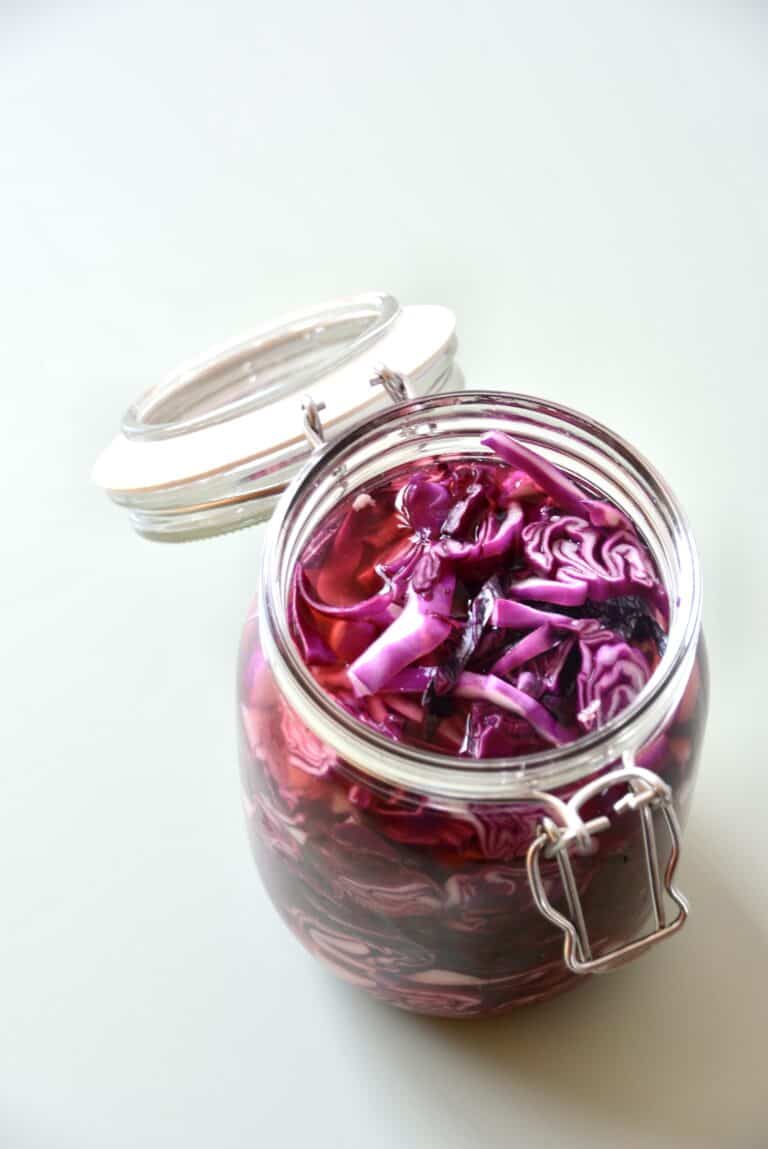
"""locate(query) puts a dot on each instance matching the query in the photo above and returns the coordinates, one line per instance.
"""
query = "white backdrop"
(585, 184)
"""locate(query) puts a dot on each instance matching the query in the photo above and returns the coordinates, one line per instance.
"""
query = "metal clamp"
(646, 794)
(313, 427)
(394, 385)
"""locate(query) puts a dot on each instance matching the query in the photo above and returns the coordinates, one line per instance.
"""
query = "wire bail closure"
(646, 794)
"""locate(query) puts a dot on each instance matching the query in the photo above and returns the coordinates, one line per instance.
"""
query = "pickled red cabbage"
(483, 607)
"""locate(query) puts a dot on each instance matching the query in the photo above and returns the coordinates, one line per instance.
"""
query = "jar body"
(423, 902)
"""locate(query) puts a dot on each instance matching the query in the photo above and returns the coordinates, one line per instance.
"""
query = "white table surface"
(586, 185)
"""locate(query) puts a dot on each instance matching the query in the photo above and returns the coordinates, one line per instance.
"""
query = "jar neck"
(453, 425)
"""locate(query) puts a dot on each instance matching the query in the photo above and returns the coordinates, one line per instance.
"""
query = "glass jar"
(412, 874)
(439, 884)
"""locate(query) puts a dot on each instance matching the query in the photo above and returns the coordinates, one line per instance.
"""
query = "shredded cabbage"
(419, 629)
(486, 607)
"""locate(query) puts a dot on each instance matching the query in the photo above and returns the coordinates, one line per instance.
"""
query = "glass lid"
(212, 447)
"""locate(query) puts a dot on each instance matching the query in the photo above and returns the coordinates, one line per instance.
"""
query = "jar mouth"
(425, 427)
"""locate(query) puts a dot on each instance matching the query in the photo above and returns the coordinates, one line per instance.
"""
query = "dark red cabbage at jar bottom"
(423, 903)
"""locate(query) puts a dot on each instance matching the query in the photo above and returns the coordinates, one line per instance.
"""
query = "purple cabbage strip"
(491, 543)
(612, 674)
(547, 590)
(424, 505)
(314, 650)
(552, 480)
(419, 630)
(534, 644)
(556, 662)
(489, 688)
(530, 683)
(462, 512)
(380, 607)
(479, 615)
(518, 616)
(412, 680)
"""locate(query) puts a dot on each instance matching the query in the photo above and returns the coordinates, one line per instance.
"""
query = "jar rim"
(450, 776)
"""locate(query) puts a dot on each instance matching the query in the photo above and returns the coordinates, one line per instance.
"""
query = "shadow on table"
(675, 1043)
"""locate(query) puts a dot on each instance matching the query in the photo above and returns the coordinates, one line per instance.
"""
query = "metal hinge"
(646, 793)
(395, 385)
